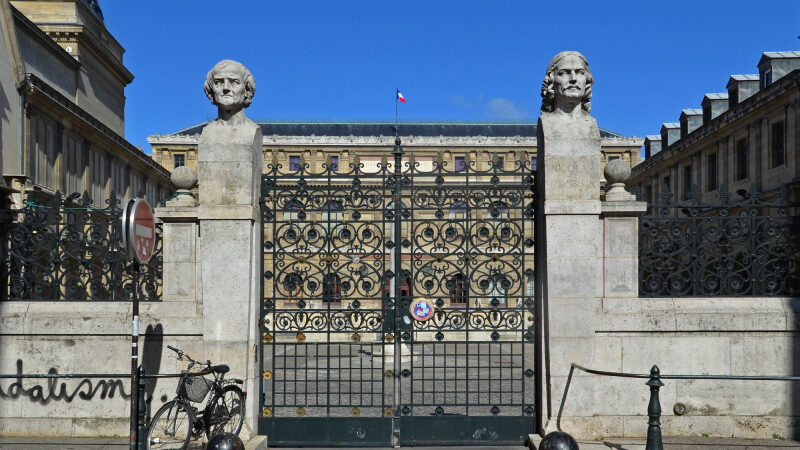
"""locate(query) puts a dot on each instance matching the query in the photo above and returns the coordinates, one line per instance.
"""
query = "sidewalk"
(670, 443)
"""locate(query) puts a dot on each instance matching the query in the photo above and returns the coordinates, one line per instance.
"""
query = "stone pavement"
(670, 443)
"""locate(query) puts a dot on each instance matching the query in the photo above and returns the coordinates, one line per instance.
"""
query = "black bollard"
(225, 441)
(558, 440)
(142, 434)
(654, 412)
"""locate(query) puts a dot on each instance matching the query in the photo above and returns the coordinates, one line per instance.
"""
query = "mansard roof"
(433, 129)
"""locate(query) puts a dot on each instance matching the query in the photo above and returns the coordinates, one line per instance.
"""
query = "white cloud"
(504, 109)
(460, 101)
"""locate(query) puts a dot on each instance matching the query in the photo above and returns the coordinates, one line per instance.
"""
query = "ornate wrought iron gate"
(346, 252)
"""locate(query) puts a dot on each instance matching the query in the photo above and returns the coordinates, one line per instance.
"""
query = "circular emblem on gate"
(421, 309)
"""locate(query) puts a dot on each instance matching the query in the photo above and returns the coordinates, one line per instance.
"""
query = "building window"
(667, 185)
(611, 158)
(711, 172)
(457, 288)
(332, 214)
(460, 164)
(331, 288)
(777, 144)
(687, 181)
(499, 162)
(648, 193)
(733, 97)
(707, 113)
(533, 164)
(766, 78)
(180, 160)
(498, 287)
(294, 163)
(334, 164)
(741, 159)
(458, 210)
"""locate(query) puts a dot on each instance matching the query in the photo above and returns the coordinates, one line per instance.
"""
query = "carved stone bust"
(568, 137)
(567, 85)
(230, 86)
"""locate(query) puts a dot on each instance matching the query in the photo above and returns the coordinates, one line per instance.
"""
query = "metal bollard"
(142, 414)
(654, 412)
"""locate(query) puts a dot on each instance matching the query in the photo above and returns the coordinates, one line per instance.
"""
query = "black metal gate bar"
(341, 354)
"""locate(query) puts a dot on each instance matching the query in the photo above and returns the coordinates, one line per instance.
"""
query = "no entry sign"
(139, 230)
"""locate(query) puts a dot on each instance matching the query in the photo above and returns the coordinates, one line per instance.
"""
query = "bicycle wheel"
(225, 413)
(171, 427)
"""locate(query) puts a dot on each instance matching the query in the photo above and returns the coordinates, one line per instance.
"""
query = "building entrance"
(398, 302)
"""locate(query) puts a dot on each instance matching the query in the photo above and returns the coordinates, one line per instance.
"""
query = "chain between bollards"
(654, 411)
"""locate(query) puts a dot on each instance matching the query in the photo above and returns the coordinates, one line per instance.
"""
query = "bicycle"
(177, 421)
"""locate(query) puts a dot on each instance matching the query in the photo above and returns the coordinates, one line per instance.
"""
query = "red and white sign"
(139, 228)
(421, 309)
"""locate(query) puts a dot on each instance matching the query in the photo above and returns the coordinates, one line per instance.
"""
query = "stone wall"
(692, 336)
(86, 337)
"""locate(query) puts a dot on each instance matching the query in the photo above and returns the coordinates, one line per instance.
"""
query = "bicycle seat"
(222, 368)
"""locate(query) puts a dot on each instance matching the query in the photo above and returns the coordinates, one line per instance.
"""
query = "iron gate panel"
(343, 362)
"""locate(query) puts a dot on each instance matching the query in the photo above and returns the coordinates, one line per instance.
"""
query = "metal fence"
(69, 249)
(749, 247)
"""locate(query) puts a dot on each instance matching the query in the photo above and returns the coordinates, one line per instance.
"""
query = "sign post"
(138, 238)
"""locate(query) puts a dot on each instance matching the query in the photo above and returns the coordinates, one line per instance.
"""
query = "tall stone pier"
(569, 262)
(230, 162)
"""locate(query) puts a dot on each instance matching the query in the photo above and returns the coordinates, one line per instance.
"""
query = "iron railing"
(68, 249)
(723, 248)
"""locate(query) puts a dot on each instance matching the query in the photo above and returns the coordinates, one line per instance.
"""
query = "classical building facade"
(62, 105)
(746, 136)
(314, 143)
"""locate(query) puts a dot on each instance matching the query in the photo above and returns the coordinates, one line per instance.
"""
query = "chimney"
(774, 65)
(740, 87)
(714, 105)
(670, 133)
(690, 120)
(652, 145)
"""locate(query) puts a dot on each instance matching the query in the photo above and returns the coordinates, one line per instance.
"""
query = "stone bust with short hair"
(230, 86)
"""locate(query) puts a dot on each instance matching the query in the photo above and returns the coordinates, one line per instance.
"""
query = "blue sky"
(453, 60)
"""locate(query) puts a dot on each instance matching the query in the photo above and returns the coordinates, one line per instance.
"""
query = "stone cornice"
(43, 39)
(33, 86)
(79, 33)
(382, 141)
(673, 152)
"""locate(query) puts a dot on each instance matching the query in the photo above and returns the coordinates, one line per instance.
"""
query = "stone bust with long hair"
(567, 83)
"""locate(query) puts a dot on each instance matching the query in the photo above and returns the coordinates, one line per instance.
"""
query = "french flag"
(400, 96)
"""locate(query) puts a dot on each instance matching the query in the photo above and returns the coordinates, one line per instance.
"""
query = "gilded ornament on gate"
(301, 412)
(356, 337)
(388, 412)
(389, 337)
(389, 374)
(301, 337)
(267, 374)
(267, 412)
(267, 338)
(355, 412)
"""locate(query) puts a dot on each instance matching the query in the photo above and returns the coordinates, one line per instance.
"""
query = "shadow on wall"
(151, 360)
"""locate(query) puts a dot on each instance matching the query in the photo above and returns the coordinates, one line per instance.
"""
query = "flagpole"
(396, 129)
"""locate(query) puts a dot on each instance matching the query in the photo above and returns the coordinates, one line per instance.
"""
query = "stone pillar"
(569, 264)
(181, 265)
(621, 214)
(230, 164)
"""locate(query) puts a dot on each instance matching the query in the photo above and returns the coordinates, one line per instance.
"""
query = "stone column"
(230, 164)
(569, 262)
(621, 214)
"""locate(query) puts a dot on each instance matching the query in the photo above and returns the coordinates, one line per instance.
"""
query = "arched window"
(293, 285)
(331, 288)
(458, 289)
(332, 214)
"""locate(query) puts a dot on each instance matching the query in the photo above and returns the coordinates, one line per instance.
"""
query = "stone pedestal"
(230, 164)
(621, 247)
(569, 263)
(180, 251)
